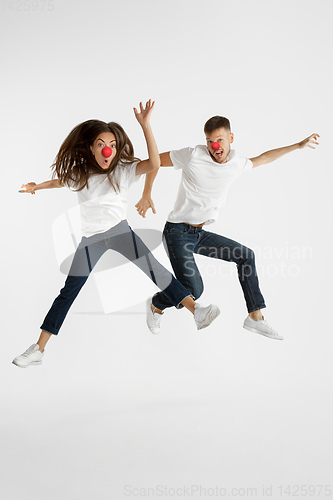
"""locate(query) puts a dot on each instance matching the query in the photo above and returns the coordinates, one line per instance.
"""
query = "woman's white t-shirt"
(100, 205)
(204, 184)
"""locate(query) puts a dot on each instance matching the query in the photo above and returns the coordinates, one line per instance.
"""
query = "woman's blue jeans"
(122, 239)
(182, 241)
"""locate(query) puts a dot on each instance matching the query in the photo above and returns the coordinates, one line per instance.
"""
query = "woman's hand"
(29, 188)
(310, 142)
(144, 204)
(144, 116)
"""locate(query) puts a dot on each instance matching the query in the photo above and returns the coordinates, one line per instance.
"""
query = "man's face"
(224, 138)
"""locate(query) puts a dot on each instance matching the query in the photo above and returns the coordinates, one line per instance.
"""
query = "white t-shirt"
(204, 184)
(101, 206)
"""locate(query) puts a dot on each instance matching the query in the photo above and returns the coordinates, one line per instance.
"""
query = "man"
(207, 173)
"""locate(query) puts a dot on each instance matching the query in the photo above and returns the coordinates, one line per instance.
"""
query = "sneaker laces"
(265, 322)
(29, 351)
(199, 311)
(157, 318)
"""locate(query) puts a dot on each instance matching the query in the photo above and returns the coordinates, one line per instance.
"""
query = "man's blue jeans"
(183, 240)
(122, 239)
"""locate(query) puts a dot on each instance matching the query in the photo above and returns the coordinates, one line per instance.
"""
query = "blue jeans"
(183, 240)
(122, 239)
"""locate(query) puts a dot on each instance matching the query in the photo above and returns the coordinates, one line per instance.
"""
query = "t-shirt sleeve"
(131, 173)
(245, 164)
(181, 157)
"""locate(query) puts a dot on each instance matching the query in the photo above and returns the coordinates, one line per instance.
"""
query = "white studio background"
(114, 410)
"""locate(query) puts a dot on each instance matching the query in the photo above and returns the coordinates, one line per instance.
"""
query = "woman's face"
(104, 139)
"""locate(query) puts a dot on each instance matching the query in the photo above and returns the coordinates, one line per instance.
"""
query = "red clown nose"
(215, 146)
(106, 152)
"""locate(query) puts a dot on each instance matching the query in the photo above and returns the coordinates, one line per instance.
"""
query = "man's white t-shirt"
(204, 184)
(100, 205)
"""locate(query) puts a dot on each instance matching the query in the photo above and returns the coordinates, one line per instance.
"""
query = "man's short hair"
(217, 122)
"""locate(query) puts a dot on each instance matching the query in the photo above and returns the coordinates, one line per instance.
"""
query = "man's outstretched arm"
(274, 154)
(146, 201)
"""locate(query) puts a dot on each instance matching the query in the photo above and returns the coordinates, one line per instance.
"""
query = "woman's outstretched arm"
(31, 187)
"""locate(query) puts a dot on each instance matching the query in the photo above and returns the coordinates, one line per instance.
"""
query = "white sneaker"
(261, 327)
(204, 316)
(153, 319)
(31, 356)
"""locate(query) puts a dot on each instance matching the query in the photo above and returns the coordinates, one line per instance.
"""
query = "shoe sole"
(262, 333)
(26, 366)
(212, 314)
(148, 311)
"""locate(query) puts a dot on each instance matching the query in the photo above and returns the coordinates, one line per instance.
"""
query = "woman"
(97, 160)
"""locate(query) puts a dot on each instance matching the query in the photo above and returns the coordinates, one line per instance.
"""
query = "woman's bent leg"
(132, 247)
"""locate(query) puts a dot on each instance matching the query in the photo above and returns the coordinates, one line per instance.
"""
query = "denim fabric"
(122, 239)
(183, 240)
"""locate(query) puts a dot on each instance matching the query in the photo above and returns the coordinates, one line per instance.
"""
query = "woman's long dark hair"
(75, 163)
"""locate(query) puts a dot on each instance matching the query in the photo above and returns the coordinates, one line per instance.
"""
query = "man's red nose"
(215, 146)
(106, 152)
